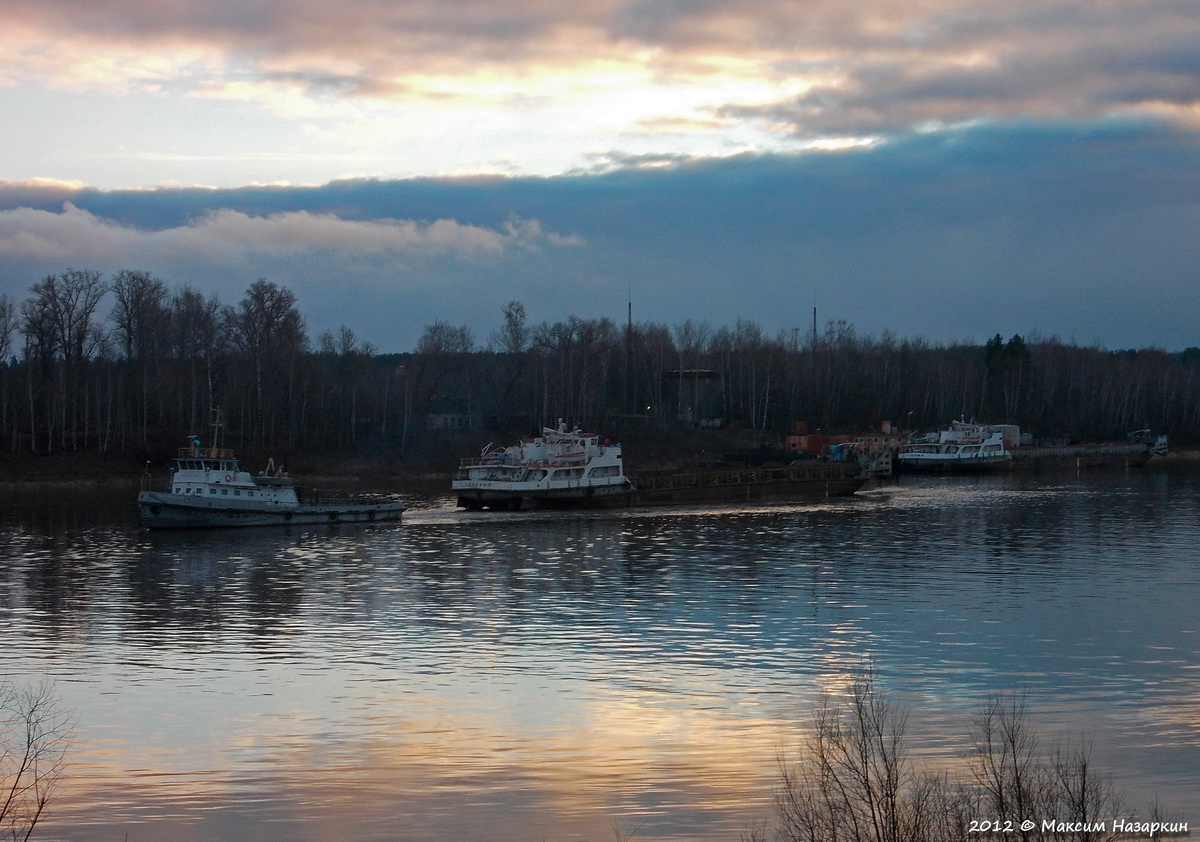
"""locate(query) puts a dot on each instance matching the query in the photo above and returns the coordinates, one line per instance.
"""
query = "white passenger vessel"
(960, 447)
(209, 488)
(558, 469)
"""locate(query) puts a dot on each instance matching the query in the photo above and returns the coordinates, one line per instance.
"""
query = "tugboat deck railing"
(206, 453)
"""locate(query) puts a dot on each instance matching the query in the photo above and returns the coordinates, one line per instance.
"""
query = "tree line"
(126, 363)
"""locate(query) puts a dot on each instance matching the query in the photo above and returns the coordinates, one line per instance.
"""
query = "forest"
(127, 365)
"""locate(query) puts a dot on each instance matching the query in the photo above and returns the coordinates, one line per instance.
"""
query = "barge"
(963, 447)
(564, 469)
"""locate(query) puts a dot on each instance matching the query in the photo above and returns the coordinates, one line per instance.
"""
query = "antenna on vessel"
(216, 425)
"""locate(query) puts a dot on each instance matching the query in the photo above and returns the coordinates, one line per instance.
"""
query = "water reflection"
(541, 676)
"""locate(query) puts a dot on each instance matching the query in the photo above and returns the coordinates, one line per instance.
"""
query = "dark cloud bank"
(1084, 232)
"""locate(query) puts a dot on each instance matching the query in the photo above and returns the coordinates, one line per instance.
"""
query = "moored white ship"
(558, 469)
(209, 488)
(967, 446)
(961, 447)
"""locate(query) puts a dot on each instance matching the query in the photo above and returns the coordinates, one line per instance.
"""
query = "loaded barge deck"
(804, 481)
(1080, 456)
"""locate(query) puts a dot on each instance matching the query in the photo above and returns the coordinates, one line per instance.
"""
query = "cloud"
(346, 271)
(814, 69)
(715, 158)
(78, 236)
(1085, 231)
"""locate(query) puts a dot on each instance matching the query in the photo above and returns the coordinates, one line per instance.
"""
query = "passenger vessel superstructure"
(558, 469)
(960, 447)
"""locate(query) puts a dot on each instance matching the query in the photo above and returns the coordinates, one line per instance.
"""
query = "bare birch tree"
(35, 736)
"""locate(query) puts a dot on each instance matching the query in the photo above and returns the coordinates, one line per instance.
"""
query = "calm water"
(549, 677)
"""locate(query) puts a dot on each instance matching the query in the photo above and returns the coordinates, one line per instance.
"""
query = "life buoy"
(229, 477)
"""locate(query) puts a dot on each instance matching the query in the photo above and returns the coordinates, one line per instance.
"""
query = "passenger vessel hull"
(518, 499)
(160, 510)
(950, 464)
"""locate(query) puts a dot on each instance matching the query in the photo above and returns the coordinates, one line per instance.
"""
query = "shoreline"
(108, 472)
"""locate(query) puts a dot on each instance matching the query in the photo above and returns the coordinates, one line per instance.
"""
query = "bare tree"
(343, 365)
(509, 346)
(1014, 782)
(8, 328)
(69, 301)
(61, 334)
(8, 325)
(139, 313)
(443, 338)
(441, 354)
(140, 316)
(513, 337)
(195, 338)
(35, 735)
(1079, 795)
(269, 331)
(1005, 765)
(855, 781)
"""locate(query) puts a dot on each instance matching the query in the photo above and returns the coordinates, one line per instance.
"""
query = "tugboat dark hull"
(160, 510)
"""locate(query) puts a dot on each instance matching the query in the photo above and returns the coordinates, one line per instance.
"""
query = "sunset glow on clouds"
(125, 95)
(539, 87)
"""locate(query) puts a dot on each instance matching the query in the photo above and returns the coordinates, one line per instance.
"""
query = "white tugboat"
(209, 488)
(558, 469)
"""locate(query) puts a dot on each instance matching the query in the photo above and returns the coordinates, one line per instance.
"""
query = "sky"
(943, 169)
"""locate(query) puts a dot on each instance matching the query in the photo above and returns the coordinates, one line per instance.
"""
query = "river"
(557, 677)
